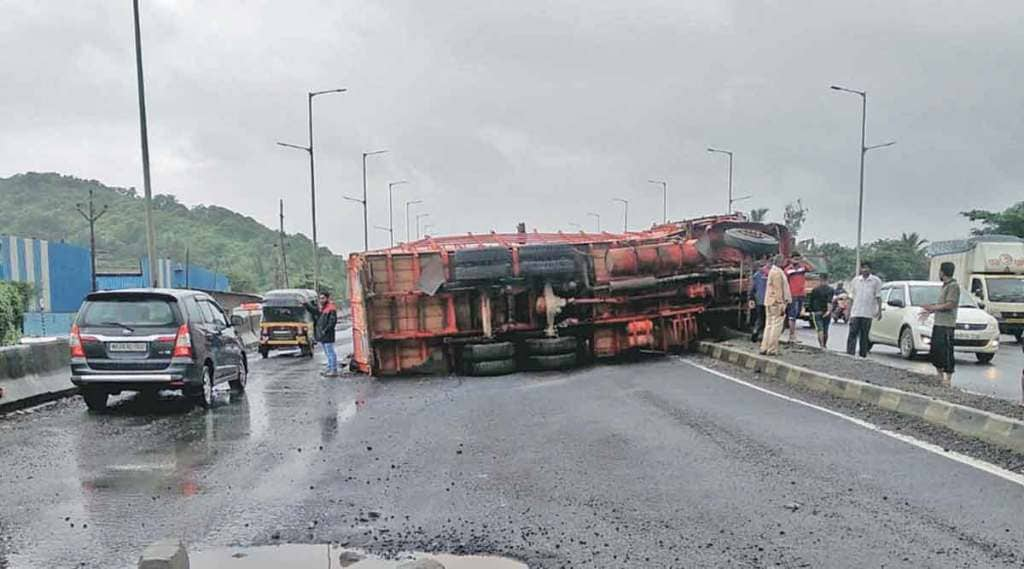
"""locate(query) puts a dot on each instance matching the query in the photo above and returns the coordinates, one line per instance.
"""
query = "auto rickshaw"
(289, 317)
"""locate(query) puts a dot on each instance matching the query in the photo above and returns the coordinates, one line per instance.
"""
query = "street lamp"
(407, 204)
(598, 217)
(863, 151)
(729, 152)
(366, 220)
(144, 138)
(419, 216)
(664, 198)
(312, 178)
(625, 213)
(391, 219)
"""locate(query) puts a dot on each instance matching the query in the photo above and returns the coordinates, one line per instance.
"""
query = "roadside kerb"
(992, 428)
(35, 373)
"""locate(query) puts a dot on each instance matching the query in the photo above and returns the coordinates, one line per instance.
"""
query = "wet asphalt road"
(656, 464)
(1001, 378)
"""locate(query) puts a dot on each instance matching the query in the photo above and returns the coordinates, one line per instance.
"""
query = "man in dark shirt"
(818, 304)
(944, 326)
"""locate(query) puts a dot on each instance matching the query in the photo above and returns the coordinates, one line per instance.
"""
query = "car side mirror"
(236, 321)
(981, 305)
(896, 303)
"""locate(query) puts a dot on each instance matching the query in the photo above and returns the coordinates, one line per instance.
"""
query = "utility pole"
(187, 263)
(92, 217)
(148, 188)
(408, 236)
(863, 151)
(284, 258)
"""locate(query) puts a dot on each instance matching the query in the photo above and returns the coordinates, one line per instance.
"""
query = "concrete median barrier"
(34, 373)
(995, 429)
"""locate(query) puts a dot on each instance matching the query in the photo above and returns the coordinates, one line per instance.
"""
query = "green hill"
(43, 206)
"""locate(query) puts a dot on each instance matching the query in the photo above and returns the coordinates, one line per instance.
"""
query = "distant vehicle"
(992, 268)
(148, 340)
(976, 331)
(289, 316)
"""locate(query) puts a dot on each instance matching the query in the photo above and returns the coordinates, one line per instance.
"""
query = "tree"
(899, 259)
(1007, 222)
(794, 216)
(758, 215)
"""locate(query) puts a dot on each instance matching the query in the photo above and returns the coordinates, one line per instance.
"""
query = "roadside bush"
(13, 300)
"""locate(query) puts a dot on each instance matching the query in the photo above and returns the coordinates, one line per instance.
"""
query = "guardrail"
(34, 373)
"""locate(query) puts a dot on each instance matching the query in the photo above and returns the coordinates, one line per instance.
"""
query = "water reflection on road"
(1001, 378)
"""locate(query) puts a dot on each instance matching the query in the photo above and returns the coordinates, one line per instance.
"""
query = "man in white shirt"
(867, 305)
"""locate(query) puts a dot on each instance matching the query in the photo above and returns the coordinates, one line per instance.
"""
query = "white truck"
(991, 267)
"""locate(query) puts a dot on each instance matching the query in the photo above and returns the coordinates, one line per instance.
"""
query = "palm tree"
(758, 215)
(913, 242)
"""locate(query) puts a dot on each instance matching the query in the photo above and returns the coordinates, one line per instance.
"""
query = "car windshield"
(128, 312)
(929, 294)
(1006, 290)
(285, 314)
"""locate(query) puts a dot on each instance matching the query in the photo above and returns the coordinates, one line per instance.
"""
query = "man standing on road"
(796, 273)
(944, 311)
(324, 332)
(819, 304)
(867, 306)
(776, 298)
(760, 283)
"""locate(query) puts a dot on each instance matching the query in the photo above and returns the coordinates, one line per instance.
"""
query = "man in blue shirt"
(760, 284)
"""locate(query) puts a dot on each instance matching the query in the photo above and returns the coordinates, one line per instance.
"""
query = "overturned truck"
(496, 303)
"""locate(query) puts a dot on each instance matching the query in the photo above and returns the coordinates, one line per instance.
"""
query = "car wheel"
(551, 362)
(487, 352)
(95, 399)
(907, 348)
(1019, 336)
(984, 358)
(491, 367)
(238, 384)
(203, 396)
(551, 346)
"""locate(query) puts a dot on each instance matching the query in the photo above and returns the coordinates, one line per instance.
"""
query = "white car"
(901, 325)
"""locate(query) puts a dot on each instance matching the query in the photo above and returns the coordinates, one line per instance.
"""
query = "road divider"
(995, 429)
(34, 373)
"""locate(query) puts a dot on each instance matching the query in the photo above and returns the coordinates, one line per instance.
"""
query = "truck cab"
(991, 268)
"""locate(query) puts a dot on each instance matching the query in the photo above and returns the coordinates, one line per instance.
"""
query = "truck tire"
(483, 272)
(551, 362)
(491, 367)
(95, 399)
(750, 241)
(488, 352)
(551, 346)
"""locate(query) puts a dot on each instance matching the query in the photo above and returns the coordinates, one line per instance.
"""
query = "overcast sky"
(533, 110)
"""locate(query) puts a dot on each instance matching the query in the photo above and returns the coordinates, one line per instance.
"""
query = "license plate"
(128, 347)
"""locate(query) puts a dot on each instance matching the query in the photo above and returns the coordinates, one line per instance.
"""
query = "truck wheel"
(488, 352)
(551, 346)
(984, 358)
(552, 362)
(750, 241)
(491, 367)
(95, 399)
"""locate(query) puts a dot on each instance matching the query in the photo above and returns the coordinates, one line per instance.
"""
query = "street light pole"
(664, 198)
(863, 151)
(92, 217)
(598, 217)
(312, 179)
(729, 152)
(625, 213)
(144, 136)
(418, 217)
(391, 219)
(408, 237)
(366, 220)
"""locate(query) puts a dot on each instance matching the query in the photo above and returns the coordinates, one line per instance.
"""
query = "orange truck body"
(415, 304)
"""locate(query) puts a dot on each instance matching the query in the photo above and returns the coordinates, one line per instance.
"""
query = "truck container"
(991, 267)
(496, 303)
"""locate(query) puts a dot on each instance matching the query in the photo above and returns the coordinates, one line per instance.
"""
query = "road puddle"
(323, 556)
